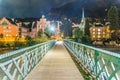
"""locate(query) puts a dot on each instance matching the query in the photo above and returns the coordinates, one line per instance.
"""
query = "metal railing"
(102, 64)
(17, 64)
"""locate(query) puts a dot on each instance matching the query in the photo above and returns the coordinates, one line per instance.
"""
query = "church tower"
(82, 23)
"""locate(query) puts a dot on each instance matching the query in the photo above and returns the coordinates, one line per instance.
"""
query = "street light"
(52, 28)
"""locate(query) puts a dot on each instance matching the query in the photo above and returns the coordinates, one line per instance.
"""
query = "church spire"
(83, 17)
(82, 23)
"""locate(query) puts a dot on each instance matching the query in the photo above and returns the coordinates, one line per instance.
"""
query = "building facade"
(42, 24)
(10, 30)
(100, 32)
(24, 30)
(39, 25)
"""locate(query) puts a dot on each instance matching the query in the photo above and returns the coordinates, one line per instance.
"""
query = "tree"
(77, 34)
(116, 36)
(28, 38)
(113, 18)
(1, 35)
(86, 40)
(87, 27)
(40, 33)
(47, 32)
(29, 41)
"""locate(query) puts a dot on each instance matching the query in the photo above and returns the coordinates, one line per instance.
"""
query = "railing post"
(25, 64)
(96, 54)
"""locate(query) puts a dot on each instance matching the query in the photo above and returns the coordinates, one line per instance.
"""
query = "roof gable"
(6, 21)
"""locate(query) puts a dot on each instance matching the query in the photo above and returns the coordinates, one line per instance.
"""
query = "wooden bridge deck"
(56, 65)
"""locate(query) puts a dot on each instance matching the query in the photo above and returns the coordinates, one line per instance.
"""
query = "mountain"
(93, 8)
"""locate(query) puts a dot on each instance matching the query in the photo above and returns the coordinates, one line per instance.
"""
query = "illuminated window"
(98, 32)
(93, 32)
(6, 34)
(93, 36)
(9, 27)
(98, 29)
(99, 36)
(93, 29)
(103, 32)
(4, 27)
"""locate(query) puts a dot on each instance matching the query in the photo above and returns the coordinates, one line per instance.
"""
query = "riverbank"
(110, 48)
(3, 51)
(6, 50)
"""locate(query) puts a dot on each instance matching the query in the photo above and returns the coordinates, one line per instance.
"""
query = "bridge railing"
(17, 64)
(102, 64)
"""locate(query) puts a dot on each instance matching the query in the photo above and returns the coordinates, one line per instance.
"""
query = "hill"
(93, 8)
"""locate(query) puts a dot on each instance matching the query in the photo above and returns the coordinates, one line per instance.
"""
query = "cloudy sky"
(28, 8)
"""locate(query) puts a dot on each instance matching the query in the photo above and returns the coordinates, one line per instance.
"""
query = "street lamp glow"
(52, 28)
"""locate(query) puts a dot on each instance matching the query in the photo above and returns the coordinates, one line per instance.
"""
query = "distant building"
(82, 23)
(75, 25)
(81, 26)
(11, 30)
(8, 29)
(99, 32)
(39, 25)
(42, 24)
(24, 30)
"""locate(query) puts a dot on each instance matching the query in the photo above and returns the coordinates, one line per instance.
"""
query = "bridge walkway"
(57, 64)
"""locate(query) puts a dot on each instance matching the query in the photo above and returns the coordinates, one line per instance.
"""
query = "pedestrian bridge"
(47, 61)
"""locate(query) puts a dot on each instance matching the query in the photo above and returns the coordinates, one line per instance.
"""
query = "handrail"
(105, 65)
(17, 64)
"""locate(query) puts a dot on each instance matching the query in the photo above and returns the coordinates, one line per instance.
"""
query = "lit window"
(98, 32)
(93, 32)
(99, 36)
(98, 29)
(103, 35)
(93, 36)
(6, 34)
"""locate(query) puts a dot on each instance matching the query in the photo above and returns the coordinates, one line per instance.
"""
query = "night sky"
(28, 8)
(35, 8)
